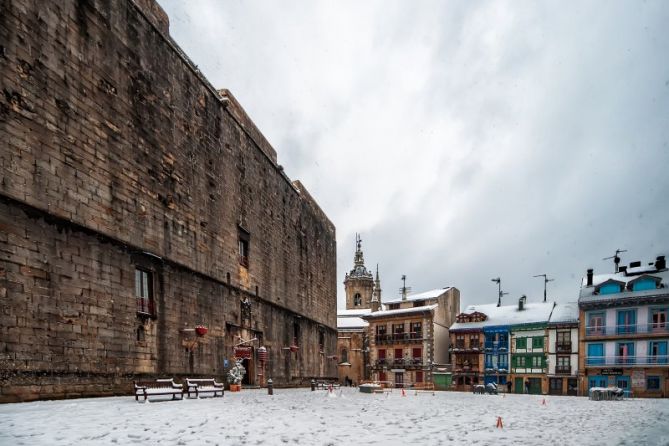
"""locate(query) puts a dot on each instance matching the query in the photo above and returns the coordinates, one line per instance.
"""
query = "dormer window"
(643, 283)
(611, 286)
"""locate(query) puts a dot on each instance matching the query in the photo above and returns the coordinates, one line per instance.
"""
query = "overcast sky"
(464, 140)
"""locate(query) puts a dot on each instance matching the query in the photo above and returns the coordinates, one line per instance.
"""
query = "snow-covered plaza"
(344, 417)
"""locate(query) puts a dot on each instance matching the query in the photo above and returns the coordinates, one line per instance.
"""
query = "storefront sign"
(242, 352)
(612, 371)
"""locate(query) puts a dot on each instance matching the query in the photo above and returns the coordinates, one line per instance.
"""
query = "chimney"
(660, 263)
(590, 271)
(521, 302)
(623, 269)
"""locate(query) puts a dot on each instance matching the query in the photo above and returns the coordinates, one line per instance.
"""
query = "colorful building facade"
(510, 349)
(563, 350)
(409, 336)
(624, 334)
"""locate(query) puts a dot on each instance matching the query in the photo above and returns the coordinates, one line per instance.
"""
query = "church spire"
(358, 260)
(376, 293)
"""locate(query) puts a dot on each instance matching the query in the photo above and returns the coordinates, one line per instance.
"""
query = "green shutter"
(538, 342)
(543, 362)
(521, 343)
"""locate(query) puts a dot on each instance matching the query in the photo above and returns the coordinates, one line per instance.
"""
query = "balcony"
(633, 361)
(145, 307)
(625, 330)
(563, 370)
(400, 338)
(496, 346)
(405, 363)
(563, 347)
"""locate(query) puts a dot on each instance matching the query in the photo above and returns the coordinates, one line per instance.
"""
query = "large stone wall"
(115, 152)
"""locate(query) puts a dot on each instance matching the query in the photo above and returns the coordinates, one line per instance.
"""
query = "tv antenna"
(499, 290)
(616, 258)
(546, 280)
(405, 289)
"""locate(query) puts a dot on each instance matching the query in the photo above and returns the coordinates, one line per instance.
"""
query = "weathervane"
(546, 280)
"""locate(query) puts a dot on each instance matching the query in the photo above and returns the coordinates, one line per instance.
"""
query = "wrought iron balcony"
(145, 307)
(617, 330)
(400, 338)
(598, 361)
(563, 370)
(563, 347)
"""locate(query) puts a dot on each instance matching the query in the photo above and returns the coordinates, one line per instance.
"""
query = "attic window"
(393, 306)
(609, 287)
(418, 303)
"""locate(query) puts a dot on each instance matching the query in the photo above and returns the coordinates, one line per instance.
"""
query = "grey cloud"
(464, 140)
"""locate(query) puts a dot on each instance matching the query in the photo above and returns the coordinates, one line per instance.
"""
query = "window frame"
(521, 343)
(144, 291)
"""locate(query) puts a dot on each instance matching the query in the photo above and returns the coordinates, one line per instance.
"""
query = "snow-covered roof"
(533, 312)
(385, 313)
(353, 313)
(351, 322)
(564, 313)
(587, 294)
(421, 296)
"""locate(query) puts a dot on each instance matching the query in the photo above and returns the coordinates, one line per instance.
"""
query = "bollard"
(270, 387)
(313, 385)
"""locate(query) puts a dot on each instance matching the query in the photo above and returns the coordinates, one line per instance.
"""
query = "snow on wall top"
(353, 313)
(385, 313)
(507, 315)
(432, 294)
(564, 313)
(351, 322)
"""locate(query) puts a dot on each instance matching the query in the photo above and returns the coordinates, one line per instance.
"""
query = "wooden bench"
(158, 387)
(203, 386)
(325, 385)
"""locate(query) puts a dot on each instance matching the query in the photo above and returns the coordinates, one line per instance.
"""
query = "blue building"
(624, 329)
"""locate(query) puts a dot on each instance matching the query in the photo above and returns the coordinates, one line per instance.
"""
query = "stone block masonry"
(118, 157)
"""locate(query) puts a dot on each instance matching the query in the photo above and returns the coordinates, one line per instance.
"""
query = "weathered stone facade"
(117, 156)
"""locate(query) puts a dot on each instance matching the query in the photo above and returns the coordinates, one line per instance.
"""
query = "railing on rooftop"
(616, 330)
(595, 361)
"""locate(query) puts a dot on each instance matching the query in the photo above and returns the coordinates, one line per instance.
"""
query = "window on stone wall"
(344, 355)
(321, 340)
(296, 333)
(144, 292)
(357, 300)
(244, 241)
(141, 334)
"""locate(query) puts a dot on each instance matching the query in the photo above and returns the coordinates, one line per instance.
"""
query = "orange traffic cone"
(404, 393)
(500, 425)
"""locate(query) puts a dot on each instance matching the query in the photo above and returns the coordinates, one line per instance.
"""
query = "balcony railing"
(400, 362)
(407, 338)
(615, 330)
(563, 370)
(145, 306)
(563, 347)
(594, 361)
(496, 345)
